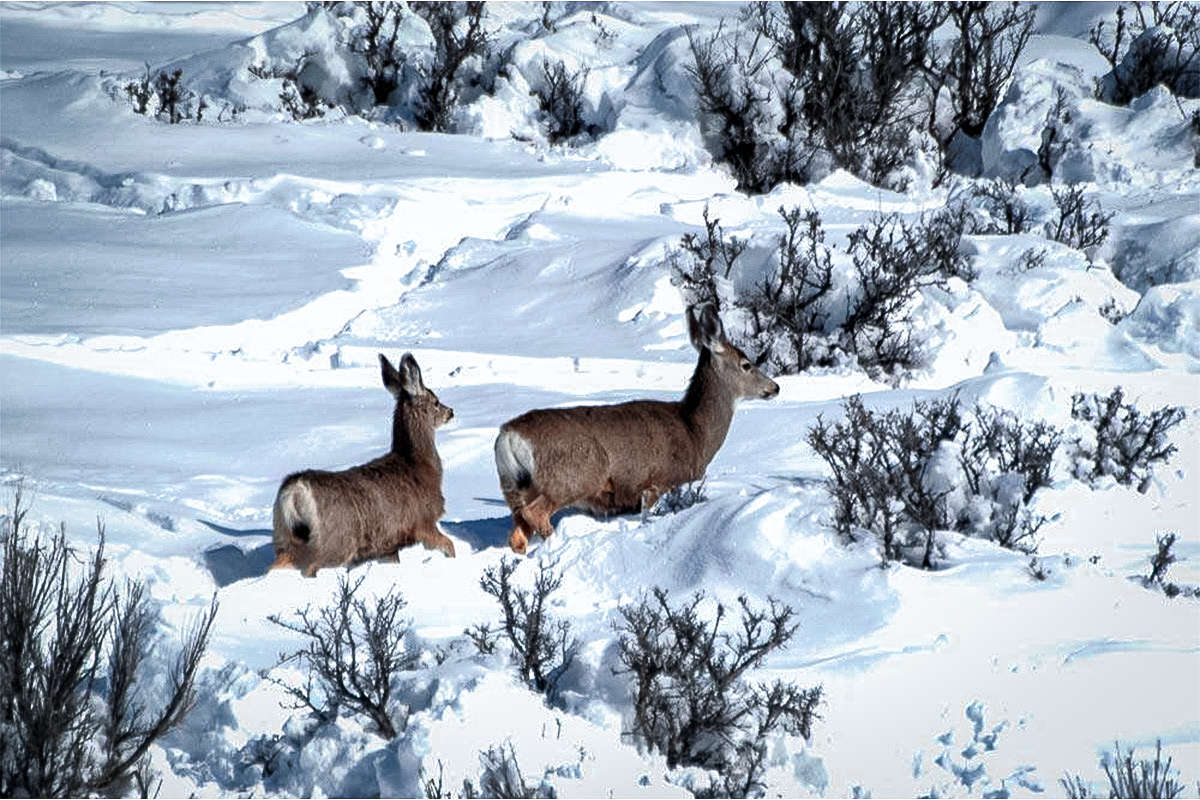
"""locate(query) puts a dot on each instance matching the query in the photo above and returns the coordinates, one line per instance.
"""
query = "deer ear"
(391, 378)
(705, 328)
(410, 376)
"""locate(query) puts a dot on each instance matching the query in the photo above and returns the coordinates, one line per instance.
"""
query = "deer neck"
(413, 440)
(707, 407)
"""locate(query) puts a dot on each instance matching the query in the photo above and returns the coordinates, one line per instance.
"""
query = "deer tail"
(295, 514)
(514, 460)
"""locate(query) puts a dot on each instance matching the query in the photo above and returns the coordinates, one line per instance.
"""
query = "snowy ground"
(188, 313)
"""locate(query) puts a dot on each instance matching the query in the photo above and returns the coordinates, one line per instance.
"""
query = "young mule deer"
(621, 458)
(325, 519)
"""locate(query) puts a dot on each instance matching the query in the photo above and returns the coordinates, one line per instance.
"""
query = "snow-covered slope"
(190, 312)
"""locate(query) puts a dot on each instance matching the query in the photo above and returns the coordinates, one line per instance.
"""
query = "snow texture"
(190, 312)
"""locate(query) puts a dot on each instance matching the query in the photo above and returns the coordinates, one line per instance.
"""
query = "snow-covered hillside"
(190, 312)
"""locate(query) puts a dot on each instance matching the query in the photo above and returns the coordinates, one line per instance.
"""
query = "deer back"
(327, 518)
(606, 456)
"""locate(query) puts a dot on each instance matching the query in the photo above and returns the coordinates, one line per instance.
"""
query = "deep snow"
(188, 313)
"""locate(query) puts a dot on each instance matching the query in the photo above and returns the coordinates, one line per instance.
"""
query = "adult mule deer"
(325, 519)
(621, 458)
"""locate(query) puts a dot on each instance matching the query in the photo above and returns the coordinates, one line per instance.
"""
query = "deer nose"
(770, 391)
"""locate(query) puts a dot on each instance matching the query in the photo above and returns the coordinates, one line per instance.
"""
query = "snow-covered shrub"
(798, 88)
(975, 74)
(741, 112)
(458, 36)
(894, 260)
(353, 651)
(543, 648)
(791, 306)
(1005, 461)
(697, 273)
(857, 75)
(376, 40)
(501, 776)
(1123, 441)
(1146, 45)
(879, 464)
(73, 647)
(680, 497)
(411, 58)
(905, 476)
(1003, 201)
(1080, 222)
(1162, 559)
(165, 96)
(692, 700)
(560, 97)
(799, 315)
(1130, 778)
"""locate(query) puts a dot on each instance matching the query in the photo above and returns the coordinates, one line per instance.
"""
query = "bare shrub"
(894, 261)
(165, 95)
(1128, 443)
(852, 74)
(560, 97)
(1162, 559)
(793, 322)
(1032, 258)
(353, 650)
(1081, 222)
(990, 38)
(737, 107)
(1128, 777)
(790, 307)
(692, 700)
(501, 776)
(376, 41)
(879, 463)
(1006, 444)
(708, 257)
(542, 647)
(1003, 201)
(458, 36)
(1148, 44)
(72, 645)
(857, 71)
(1005, 461)
(886, 477)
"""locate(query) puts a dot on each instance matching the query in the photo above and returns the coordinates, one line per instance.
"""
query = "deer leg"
(537, 515)
(518, 538)
(284, 560)
(436, 540)
(311, 570)
(650, 496)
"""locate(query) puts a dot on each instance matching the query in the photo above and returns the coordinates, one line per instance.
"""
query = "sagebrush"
(353, 650)
(74, 721)
(543, 648)
(904, 476)
(692, 699)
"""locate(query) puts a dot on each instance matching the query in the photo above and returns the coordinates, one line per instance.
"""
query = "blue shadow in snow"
(481, 534)
(229, 563)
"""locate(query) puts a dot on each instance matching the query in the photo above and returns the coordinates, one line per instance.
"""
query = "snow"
(188, 313)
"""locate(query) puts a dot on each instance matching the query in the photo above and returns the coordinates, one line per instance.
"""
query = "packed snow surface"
(190, 312)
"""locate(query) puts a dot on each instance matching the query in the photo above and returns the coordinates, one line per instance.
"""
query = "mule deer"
(621, 458)
(325, 519)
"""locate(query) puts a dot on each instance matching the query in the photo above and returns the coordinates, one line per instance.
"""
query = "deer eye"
(746, 367)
